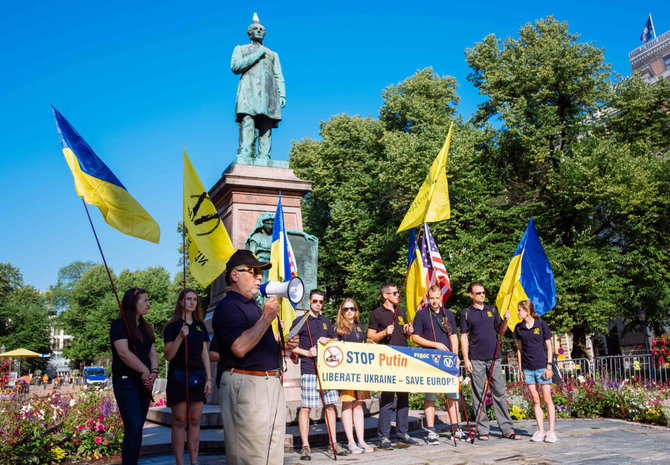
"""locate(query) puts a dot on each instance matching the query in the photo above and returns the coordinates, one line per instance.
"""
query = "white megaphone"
(293, 289)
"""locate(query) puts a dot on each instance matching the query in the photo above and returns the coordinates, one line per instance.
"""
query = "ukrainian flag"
(283, 266)
(529, 277)
(97, 185)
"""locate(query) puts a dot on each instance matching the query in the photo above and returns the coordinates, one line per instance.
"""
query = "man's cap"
(247, 258)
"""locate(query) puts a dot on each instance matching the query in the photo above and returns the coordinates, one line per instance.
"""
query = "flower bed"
(56, 427)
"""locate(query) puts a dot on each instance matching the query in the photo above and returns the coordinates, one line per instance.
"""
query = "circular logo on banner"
(333, 356)
(561, 351)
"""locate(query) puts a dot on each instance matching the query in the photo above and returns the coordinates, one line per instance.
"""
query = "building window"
(666, 60)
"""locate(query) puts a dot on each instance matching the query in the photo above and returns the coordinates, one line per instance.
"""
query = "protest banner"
(376, 367)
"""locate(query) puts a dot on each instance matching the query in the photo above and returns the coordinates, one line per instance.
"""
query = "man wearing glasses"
(317, 329)
(385, 329)
(251, 396)
(482, 323)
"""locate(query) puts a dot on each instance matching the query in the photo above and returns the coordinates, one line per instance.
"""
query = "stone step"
(211, 415)
(156, 438)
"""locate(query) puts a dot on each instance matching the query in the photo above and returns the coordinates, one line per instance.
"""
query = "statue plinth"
(245, 190)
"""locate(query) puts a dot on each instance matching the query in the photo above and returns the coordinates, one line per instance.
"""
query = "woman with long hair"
(189, 380)
(535, 354)
(134, 369)
(350, 330)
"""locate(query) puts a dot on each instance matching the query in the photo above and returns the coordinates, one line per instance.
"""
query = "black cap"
(247, 258)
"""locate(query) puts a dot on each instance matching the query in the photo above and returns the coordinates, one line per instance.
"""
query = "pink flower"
(100, 427)
(98, 439)
(79, 428)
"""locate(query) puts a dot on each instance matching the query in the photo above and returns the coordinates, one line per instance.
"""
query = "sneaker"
(385, 444)
(407, 440)
(538, 436)
(305, 454)
(433, 437)
(339, 450)
(550, 437)
(460, 435)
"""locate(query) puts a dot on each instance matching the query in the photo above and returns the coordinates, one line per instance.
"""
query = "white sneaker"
(433, 437)
(539, 437)
(460, 435)
(550, 437)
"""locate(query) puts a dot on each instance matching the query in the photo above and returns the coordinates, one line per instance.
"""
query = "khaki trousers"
(254, 419)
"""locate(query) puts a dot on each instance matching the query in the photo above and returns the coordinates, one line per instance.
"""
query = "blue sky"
(141, 80)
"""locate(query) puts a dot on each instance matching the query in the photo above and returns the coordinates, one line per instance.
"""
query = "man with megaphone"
(251, 396)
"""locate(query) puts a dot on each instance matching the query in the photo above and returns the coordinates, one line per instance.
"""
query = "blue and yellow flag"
(283, 266)
(529, 277)
(416, 277)
(97, 185)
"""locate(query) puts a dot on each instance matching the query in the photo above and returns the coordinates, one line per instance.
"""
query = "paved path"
(579, 442)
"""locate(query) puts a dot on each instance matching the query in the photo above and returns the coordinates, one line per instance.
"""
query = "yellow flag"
(210, 246)
(432, 201)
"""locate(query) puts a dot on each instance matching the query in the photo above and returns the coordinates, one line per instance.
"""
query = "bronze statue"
(260, 94)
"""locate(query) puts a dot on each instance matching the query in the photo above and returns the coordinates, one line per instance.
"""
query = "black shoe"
(406, 441)
(385, 444)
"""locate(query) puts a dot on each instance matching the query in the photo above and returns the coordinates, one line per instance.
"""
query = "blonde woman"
(350, 330)
(534, 352)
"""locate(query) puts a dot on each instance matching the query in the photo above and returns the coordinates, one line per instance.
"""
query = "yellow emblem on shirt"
(489, 314)
(324, 326)
(358, 328)
(536, 331)
(400, 321)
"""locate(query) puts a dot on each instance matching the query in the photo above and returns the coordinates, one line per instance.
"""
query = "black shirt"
(482, 327)
(318, 327)
(119, 331)
(533, 346)
(381, 317)
(423, 326)
(357, 334)
(234, 315)
(197, 335)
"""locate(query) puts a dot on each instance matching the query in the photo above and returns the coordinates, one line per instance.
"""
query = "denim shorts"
(535, 377)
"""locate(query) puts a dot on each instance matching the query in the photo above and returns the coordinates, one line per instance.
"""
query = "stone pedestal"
(244, 191)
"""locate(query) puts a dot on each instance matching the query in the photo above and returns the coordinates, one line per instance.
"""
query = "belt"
(254, 372)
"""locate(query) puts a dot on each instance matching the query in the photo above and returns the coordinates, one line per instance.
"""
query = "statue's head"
(256, 31)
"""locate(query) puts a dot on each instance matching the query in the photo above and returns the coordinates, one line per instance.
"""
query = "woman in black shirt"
(134, 369)
(189, 379)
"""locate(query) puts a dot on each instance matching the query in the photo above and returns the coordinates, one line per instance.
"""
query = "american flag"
(436, 273)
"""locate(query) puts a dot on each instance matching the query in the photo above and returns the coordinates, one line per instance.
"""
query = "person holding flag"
(317, 329)
(435, 328)
(388, 325)
(481, 325)
(535, 354)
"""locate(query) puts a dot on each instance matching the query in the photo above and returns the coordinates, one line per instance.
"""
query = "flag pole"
(111, 281)
(323, 399)
(183, 306)
(653, 29)
(451, 420)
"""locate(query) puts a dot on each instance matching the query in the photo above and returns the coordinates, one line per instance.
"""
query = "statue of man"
(259, 240)
(260, 94)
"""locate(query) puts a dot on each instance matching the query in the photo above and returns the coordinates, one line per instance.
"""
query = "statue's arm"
(279, 81)
(240, 63)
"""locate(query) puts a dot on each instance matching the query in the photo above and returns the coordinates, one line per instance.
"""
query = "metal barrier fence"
(619, 367)
(572, 368)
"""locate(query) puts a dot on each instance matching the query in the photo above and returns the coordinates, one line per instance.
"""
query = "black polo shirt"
(482, 327)
(357, 334)
(119, 331)
(197, 335)
(232, 316)
(423, 326)
(533, 345)
(381, 317)
(318, 327)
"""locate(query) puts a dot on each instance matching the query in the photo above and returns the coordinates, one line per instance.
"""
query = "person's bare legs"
(537, 407)
(347, 420)
(429, 412)
(177, 433)
(303, 425)
(359, 421)
(194, 414)
(549, 402)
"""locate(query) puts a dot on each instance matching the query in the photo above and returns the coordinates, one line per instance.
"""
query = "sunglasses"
(253, 271)
(480, 293)
(349, 309)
